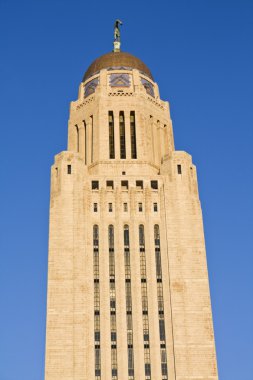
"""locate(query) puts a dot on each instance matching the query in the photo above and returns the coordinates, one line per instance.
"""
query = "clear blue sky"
(201, 54)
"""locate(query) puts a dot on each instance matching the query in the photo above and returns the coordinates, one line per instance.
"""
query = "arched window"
(157, 234)
(141, 235)
(122, 135)
(111, 236)
(126, 235)
(95, 234)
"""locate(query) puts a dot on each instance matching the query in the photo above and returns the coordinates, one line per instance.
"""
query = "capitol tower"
(128, 290)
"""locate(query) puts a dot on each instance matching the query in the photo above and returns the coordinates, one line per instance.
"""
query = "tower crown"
(119, 115)
(116, 60)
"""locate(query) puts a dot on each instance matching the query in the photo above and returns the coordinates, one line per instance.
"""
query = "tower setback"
(128, 291)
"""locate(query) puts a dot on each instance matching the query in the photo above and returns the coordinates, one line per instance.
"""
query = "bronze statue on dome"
(117, 35)
(116, 30)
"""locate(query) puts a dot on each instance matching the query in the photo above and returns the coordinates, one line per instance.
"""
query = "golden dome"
(117, 60)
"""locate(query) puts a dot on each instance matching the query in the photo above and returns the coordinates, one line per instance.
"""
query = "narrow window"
(141, 235)
(154, 185)
(94, 185)
(124, 185)
(113, 336)
(122, 135)
(114, 370)
(140, 207)
(111, 236)
(139, 185)
(157, 235)
(126, 236)
(85, 143)
(95, 235)
(155, 207)
(109, 185)
(69, 169)
(77, 138)
(125, 207)
(97, 336)
(164, 369)
(91, 122)
(111, 135)
(179, 169)
(133, 135)
(110, 207)
(95, 207)
(147, 369)
(162, 329)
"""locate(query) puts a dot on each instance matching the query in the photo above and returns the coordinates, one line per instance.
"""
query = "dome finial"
(116, 42)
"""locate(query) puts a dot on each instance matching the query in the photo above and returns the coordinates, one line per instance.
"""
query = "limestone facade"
(128, 290)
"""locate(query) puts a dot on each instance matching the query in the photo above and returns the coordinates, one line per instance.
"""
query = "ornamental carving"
(90, 87)
(148, 87)
(120, 80)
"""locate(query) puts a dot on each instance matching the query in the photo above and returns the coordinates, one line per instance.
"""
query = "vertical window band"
(111, 135)
(96, 302)
(122, 135)
(133, 135)
(130, 348)
(160, 303)
(144, 300)
(77, 138)
(92, 138)
(112, 302)
(85, 143)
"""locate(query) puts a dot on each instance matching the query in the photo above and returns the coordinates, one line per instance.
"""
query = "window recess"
(122, 135)
(124, 185)
(109, 185)
(139, 185)
(111, 135)
(94, 185)
(154, 185)
(133, 135)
